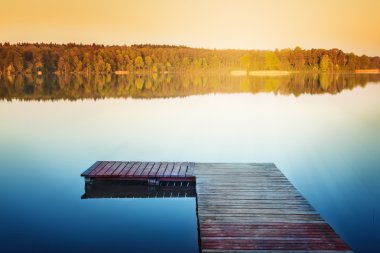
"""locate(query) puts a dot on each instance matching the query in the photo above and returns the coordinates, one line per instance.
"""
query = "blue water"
(327, 145)
(42, 211)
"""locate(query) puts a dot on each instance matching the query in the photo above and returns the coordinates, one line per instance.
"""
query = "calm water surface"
(327, 144)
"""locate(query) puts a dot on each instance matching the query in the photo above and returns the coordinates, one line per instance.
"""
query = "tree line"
(42, 58)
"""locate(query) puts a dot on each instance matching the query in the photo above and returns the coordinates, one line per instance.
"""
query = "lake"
(322, 132)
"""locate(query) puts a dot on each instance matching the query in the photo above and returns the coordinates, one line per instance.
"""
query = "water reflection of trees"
(72, 87)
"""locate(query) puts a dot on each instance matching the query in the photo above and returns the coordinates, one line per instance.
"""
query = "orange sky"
(248, 24)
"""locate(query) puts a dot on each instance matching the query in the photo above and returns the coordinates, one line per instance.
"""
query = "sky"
(350, 25)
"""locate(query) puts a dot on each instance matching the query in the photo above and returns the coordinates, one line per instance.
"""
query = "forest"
(42, 58)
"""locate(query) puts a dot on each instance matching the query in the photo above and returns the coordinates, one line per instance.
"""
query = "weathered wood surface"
(254, 208)
(162, 171)
(241, 207)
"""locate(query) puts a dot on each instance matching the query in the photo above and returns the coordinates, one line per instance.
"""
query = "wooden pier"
(241, 207)
(142, 171)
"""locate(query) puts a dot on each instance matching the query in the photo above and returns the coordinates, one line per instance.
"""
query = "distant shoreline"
(260, 73)
(235, 73)
(367, 71)
(64, 59)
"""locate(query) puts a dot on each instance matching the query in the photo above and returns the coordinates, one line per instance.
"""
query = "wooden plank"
(237, 202)
(94, 171)
(133, 169)
(243, 245)
(190, 169)
(119, 169)
(169, 169)
(147, 169)
(183, 169)
(154, 170)
(101, 172)
(242, 210)
(140, 169)
(161, 170)
(272, 251)
(176, 169)
(112, 169)
(267, 229)
(87, 172)
(126, 169)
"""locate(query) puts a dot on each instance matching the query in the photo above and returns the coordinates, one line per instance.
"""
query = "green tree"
(197, 63)
(245, 62)
(148, 62)
(77, 64)
(324, 81)
(185, 63)
(120, 60)
(168, 66)
(325, 63)
(364, 62)
(271, 61)
(108, 68)
(63, 65)
(139, 83)
(10, 69)
(87, 63)
(297, 58)
(139, 62)
(99, 65)
(352, 62)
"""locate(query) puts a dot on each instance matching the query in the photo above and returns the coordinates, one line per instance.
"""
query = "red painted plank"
(175, 171)
(183, 169)
(88, 171)
(311, 226)
(133, 169)
(140, 169)
(101, 172)
(169, 170)
(154, 170)
(147, 169)
(119, 169)
(126, 169)
(112, 169)
(95, 171)
(261, 244)
(272, 240)
(235, 232)
(161, 170)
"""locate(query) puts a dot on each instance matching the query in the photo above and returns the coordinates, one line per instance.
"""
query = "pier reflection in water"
(138, 189)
